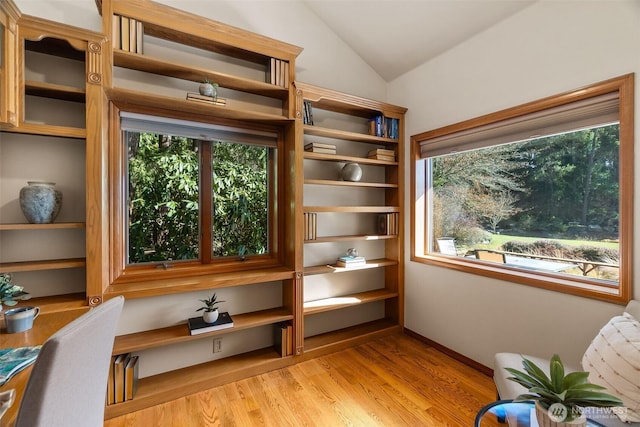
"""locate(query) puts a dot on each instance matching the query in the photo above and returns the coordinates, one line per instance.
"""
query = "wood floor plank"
(396, 380)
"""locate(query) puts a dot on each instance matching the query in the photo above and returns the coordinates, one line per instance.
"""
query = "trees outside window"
(546, 185)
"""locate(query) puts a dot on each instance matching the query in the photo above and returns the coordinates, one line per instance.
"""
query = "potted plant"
(559, 398)
(208, 88)
(10, 292)
(210, 314)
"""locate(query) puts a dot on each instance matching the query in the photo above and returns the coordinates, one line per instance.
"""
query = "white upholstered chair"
(68, 384)
(509, 389)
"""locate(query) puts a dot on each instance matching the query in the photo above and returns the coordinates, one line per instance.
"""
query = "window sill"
(550, 281)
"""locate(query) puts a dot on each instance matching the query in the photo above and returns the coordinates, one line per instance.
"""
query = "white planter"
(210, 316)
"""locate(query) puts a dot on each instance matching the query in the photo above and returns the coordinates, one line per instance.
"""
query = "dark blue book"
(198, 326)
(14, 360)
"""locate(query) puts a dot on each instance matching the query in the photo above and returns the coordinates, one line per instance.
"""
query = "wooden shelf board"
(352, 209)
(338, 158)
(48, 130)
(344, 301)
(52, 226)
(49, 90)
(346, 135)
(326, 239)
(55, 47)
(180, 333)
(148, 288)
(166, 103)
(148, 64)
(337, 340)
(330, 269)
(340, 102)
(50, 264)
(57, 303)
(182, 382)
(349, 183)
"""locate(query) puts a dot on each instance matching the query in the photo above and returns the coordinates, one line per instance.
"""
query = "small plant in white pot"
(559, 398)
(208, 88)
(210, 314)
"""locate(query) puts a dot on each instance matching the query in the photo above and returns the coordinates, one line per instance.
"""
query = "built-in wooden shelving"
(343, 301)
(50, 264)
(347, 136)
(340, 158)
(349, 183)
(331, 269)
(51, 226)
(54, 91)
(180, 333)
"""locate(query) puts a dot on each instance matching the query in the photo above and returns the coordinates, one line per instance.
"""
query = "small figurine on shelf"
(10, 292)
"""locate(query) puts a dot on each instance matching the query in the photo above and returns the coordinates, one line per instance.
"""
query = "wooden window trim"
(621, 294)
(121, 273)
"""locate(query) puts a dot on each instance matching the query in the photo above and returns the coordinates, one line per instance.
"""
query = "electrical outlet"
(217, 345)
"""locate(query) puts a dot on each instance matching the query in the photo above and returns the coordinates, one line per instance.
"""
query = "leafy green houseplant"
(210, 309)
(9, 292)
(558, 396)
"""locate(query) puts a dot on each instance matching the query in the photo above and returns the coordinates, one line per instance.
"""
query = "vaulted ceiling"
(395, 36)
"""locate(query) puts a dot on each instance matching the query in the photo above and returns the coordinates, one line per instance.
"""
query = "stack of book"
(382, 154)
(388, 224)
(198, 326)
(283, 334)
(307, 117)
(351, 261)
(123, 378)
(310, 225)
(320, 147)
(278, 73)
(214, 100)
(127, 34)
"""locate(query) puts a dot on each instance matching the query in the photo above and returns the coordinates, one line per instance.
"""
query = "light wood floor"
(392, 381)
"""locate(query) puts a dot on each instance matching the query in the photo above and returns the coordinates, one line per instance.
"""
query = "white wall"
(548, 48)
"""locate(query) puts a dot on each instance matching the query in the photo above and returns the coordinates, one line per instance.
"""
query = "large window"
(195, 195)
(539, 194)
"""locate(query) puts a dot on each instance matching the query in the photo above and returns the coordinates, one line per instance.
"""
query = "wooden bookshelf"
(331, 269)
(344, 301)
(50, 264)
(339, 158)
(180, 333)
(51, 226)
(349, 183)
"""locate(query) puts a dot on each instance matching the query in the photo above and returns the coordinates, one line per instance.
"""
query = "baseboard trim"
(451, 353)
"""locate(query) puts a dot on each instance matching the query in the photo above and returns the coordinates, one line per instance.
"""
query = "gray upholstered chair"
(68, 384)
(508, 389)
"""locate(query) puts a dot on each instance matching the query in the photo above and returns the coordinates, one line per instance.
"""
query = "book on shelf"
(382, 152)
(123, 378)
(131, 378)
(380, 157)
(278, 72)
(387, 224)
(320, 145)
(386, 127)
(320, 150)
(118, 377)
(124, 33)
(283, 338)
(198, 326)
(127, 34)
(350, 261)
(310, 225)
(214, 100)
(14, 360)
(307, 117)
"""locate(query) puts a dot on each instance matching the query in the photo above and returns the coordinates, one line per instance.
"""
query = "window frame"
(621, 294)
(121, 272)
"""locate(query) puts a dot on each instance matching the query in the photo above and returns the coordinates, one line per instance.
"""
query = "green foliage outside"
(164, 198)
(560, 187)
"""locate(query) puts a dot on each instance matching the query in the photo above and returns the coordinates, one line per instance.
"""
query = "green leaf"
(557, 373)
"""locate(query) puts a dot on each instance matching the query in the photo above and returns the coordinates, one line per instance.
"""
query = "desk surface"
(43, 327)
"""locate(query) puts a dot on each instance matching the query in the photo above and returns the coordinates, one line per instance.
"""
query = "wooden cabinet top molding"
(193, 30)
